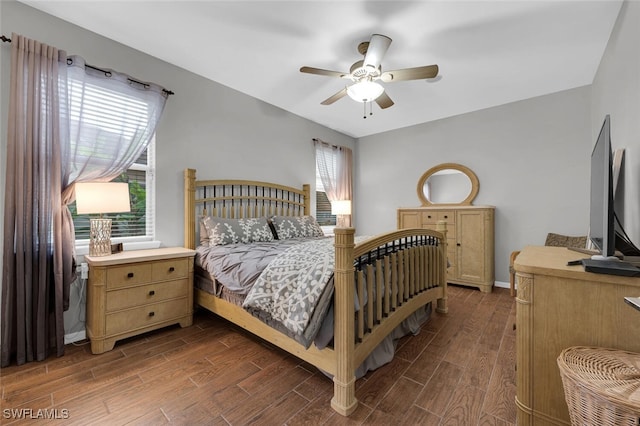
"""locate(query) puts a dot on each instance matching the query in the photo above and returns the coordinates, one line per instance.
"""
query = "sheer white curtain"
(335, 165)
(112, 119)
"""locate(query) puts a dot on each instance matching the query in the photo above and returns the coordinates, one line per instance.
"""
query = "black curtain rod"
(106, 72)
(326, 143)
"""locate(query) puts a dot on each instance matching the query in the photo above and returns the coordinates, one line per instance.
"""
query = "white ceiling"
(489, 52)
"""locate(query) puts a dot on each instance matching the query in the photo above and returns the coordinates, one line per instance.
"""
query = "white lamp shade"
(341, 207)
(102, 197)
(365, 91)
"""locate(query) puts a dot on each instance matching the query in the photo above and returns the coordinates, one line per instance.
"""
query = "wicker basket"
(601, 386)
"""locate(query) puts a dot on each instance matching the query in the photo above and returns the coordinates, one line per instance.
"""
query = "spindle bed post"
(344, 399)
(441, 304)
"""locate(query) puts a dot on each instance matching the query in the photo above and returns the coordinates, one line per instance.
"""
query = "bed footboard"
(393, 275)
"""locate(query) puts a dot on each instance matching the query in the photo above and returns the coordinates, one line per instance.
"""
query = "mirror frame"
(475, 184)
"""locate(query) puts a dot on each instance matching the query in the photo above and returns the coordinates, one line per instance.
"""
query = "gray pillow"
(296, 227)
(228, 231)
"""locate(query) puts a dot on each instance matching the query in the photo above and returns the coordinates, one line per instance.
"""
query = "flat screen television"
(601, 212)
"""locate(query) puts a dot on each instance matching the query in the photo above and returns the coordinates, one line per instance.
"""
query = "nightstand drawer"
(128, 275)
(169, 269)
(143, 316)
(143, 295)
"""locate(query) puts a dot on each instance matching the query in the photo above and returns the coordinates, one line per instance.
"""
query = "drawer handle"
(446, 217)
(429, 216)
(152, 292)
(151, 313)
(130, 275)
(458, 244)
(171, 269)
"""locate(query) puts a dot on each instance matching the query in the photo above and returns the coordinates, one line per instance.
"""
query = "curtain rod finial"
(5, 39)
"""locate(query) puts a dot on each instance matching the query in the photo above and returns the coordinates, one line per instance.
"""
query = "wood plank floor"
(458, 371)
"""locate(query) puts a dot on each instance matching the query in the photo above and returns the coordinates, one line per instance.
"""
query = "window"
(137, 225)
(112, 119)
(323, 205)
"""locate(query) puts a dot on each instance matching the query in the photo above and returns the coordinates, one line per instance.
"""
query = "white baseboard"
(501, 284)
(75, 337)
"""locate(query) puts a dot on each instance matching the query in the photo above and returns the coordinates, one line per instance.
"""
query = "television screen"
(601, 220)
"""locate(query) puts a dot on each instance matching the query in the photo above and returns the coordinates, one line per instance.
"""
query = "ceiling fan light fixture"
(365, 91)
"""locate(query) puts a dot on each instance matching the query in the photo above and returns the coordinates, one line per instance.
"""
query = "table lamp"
(342, 209)
(101, 197)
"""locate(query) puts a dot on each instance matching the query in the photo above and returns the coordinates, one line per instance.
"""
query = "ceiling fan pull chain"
(364, 106)
(370, 107)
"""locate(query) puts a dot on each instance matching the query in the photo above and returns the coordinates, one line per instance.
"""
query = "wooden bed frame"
(410, 269)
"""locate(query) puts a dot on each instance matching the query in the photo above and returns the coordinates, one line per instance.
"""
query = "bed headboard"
(238, 199)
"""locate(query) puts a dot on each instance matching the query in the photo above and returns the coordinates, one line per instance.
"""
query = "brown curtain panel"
(34, 292)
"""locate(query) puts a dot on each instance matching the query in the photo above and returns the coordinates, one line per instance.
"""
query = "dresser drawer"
(143, 295)
(143, 316)
(170, 269)
(128, 275)
(433, 217)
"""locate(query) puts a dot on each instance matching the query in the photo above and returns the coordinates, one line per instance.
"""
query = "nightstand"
(136, 291)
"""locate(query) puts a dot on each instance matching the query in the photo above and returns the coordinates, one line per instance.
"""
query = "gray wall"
(205, 125)
(616, 91)
(219, 131)
(531, 158)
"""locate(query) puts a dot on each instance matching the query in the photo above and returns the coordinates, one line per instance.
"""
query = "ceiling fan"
(366, 73)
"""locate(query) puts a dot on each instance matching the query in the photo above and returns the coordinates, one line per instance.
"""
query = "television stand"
(559, 306)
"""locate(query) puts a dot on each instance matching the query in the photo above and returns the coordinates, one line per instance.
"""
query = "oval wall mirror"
(448, 184)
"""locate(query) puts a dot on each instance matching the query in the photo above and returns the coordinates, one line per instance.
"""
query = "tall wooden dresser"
(560, 306)
(470, 240)
(136, 291)
(446, 192)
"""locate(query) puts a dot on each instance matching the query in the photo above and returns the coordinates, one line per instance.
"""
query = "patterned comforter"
(295, 289)
(237, 266)
(288, 283)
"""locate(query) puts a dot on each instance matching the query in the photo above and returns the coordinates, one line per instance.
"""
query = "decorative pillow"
(227, 231)
(296, 227)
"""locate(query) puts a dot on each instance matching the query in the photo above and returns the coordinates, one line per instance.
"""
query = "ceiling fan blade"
(319, 71)
(378, 46)
(384, 101)
(331, 99)
(417, 73)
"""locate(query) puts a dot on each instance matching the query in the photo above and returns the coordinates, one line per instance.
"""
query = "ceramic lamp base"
(100, 237)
